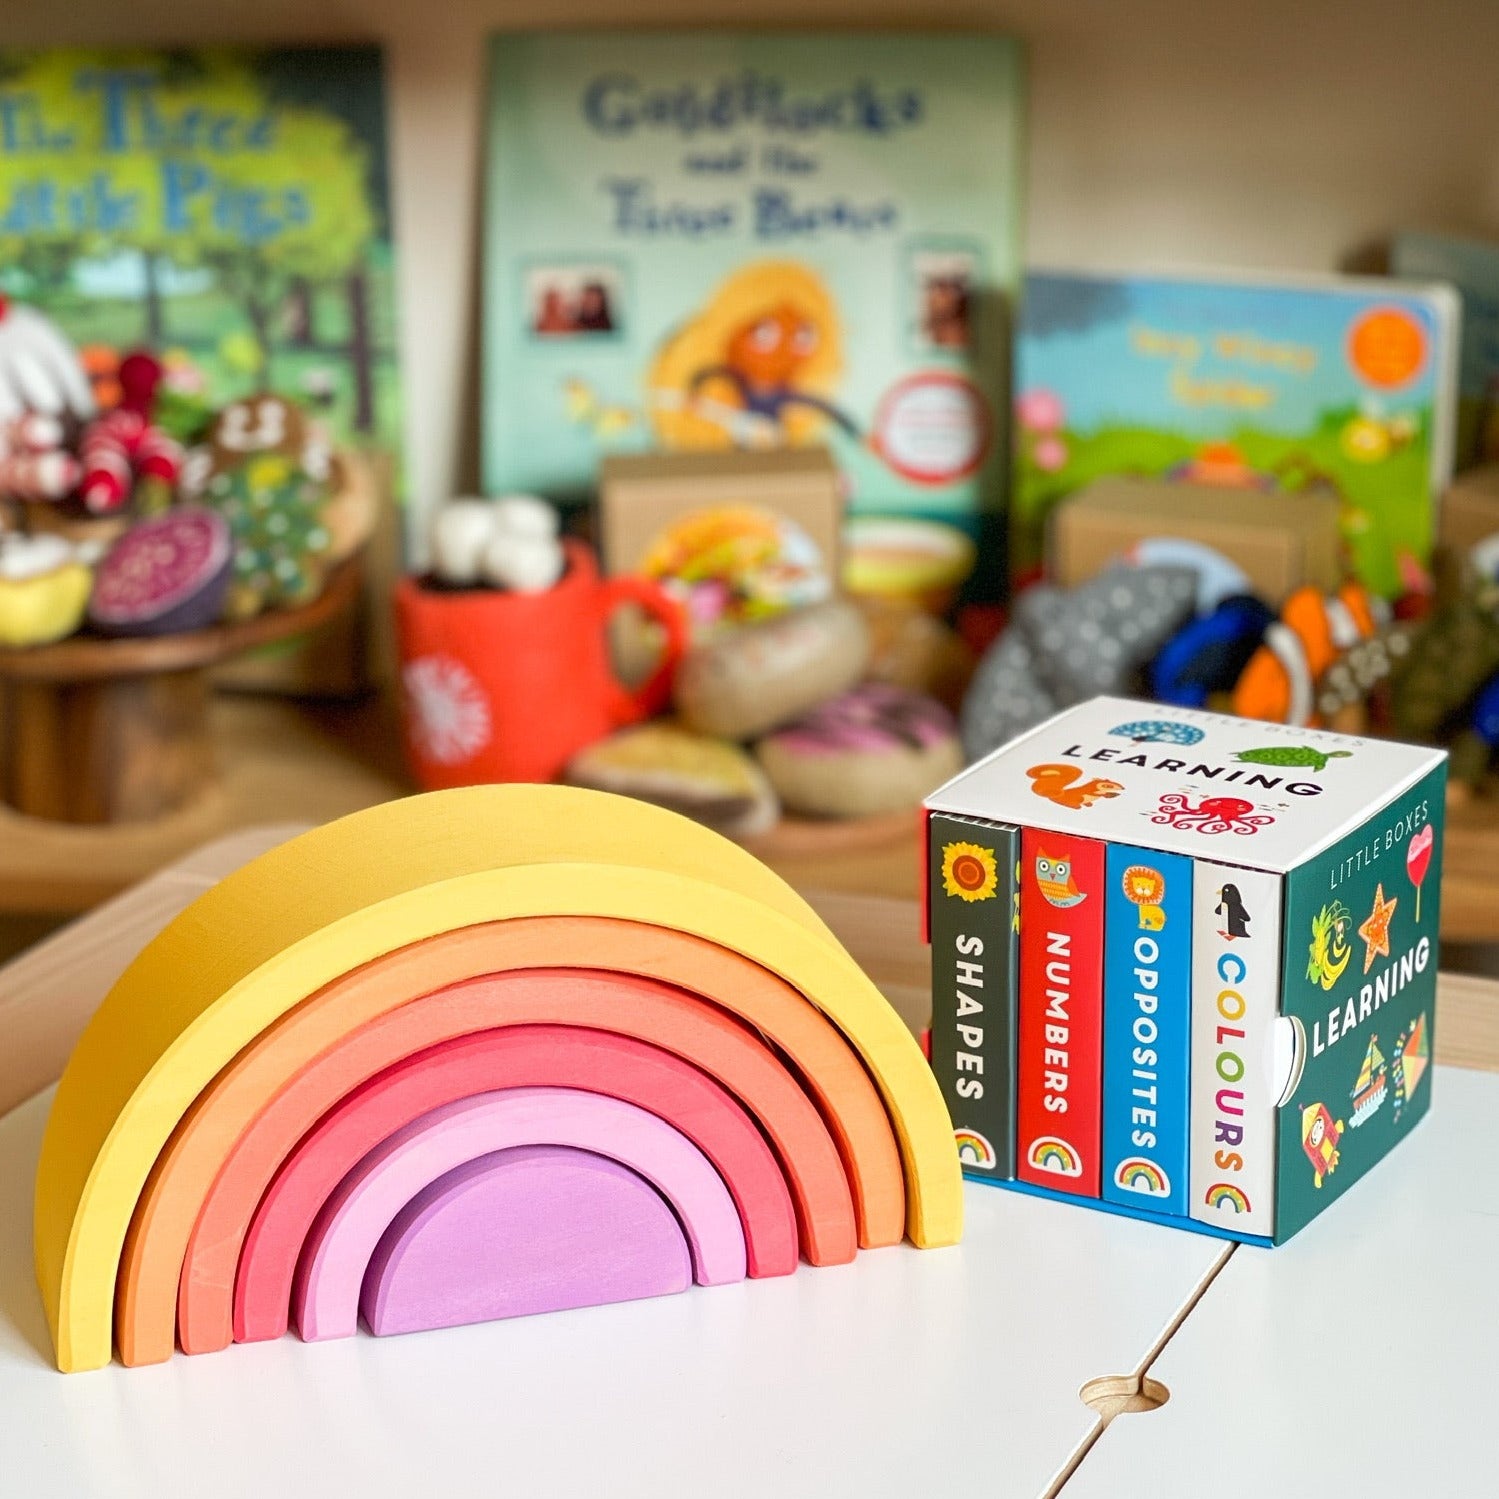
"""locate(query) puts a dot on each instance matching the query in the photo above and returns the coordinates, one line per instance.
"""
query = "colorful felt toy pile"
(157, 514)
(1178, 622)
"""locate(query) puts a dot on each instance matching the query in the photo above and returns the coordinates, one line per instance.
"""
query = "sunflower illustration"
(968, 871)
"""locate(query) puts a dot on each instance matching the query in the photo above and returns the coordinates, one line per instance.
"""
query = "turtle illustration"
(1301, 755)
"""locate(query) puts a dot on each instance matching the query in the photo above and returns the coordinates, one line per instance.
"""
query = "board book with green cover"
(714, 240)
(1339, 384)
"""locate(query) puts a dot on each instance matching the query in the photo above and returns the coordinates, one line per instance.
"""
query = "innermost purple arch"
(537, 1228)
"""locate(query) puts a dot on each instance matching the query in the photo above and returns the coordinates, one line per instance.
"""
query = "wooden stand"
(99, 730)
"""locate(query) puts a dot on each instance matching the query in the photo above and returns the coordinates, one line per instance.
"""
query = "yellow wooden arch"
(274, 932)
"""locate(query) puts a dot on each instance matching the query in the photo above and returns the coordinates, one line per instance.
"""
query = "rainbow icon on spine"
(974, 1149)
(1047, 1153)
(413, 1060)
(1224, 1195)
(1136, 1174)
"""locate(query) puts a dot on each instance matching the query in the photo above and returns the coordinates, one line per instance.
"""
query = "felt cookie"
(705, 779)
(913, 649)
(745, 682)
(873, 750)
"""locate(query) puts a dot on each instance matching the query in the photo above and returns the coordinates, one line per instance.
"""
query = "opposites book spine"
(1147, 1028)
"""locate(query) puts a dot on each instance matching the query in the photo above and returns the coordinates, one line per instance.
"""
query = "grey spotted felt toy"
(1064, 646)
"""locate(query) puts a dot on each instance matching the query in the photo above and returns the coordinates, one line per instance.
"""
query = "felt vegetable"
(124, 452)
(34, 465)
(39, 369)
(1209, 652)
(164, 576)
(281, 545)
(44, 590)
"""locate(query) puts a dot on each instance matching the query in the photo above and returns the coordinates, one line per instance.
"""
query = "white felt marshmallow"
(524, 563)
(461, 532)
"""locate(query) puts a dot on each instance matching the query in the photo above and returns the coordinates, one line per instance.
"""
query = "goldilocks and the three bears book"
(1261, 950)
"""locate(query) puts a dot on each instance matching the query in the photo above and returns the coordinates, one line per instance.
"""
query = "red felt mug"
(510, 686)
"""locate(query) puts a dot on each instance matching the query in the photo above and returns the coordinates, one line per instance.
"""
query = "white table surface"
(942, 1372)
(1359, 1358)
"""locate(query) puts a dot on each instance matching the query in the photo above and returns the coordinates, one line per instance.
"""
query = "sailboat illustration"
(1370, 1089)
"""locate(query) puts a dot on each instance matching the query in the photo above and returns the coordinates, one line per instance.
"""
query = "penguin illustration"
(1235, 918)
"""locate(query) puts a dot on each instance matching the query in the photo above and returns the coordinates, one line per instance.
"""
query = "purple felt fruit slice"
(164, 576)
(537, 1228)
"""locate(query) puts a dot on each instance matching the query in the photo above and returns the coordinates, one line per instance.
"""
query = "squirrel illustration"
(1059, 784)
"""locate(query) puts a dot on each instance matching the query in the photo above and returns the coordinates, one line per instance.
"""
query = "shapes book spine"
(971, 872)
(1147, 1028)
(1059, 1055)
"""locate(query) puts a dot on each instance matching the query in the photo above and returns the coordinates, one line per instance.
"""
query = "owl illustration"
(1054, 877)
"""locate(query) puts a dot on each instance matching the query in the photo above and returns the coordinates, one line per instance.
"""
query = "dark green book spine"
(972, 888)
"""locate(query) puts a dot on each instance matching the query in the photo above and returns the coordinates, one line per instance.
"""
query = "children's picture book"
(710, 241)
(228, 209)
(1338, 384)
(1472, 267)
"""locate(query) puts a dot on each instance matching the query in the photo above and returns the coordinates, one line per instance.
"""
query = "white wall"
(1270, 133)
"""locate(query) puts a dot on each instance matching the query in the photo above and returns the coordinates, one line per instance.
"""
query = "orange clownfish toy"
(1278, 685)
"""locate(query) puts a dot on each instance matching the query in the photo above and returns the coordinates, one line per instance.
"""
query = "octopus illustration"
(1213, 814)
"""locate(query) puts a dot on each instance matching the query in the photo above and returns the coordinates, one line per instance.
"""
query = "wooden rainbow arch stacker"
(471, 1055)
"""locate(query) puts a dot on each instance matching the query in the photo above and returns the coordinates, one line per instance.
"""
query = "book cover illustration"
(1472, 266)
(1339, 384)
(974, 919)
(1060, 1046)
(1147, 1028)
(1362, 993)
(1236, 973)
(714, 240)
(225, 208)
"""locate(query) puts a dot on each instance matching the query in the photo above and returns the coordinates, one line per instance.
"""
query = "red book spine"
(1059, 1053)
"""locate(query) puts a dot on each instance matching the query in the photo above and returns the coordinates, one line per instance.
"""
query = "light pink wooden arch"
(355, 1218)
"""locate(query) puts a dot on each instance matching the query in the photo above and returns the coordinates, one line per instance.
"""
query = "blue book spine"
(1147, 1028)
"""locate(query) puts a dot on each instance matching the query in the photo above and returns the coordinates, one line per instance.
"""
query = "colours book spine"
(1060, 1050)
(971, 872)
(1147, 1028)
(1236, 961)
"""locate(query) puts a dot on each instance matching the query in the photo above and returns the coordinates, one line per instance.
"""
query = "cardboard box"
(737, 534)
(1470, 510)
(1209, 941)
(1282, 541)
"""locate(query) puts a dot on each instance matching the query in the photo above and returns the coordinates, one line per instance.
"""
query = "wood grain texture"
(522, 1056)
(348, 1231)
(203, 1188)
(538, 1228)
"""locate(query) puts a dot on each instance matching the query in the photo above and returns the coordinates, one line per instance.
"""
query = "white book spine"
(1236, 970)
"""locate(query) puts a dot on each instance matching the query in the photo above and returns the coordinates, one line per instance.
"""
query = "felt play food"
(748, 681)
(39, 368)
(915, 650)
(875, 749)
(509, 543)
(34, 465)
(920, 561)
(125, 455)
(1278, 684)
(274, 510)
(708, 780)
(165, 575)
(44, 590)
(1209, 652)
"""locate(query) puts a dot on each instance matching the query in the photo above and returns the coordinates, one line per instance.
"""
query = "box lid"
(1267, 796)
